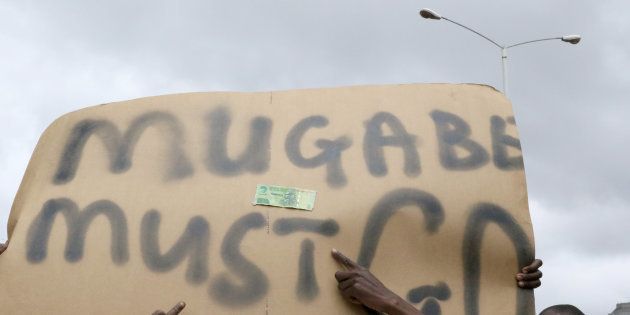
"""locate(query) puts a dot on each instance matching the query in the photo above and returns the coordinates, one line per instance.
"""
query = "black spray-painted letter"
(306, 287)
(387, 207)
(430, 293)
(193, 243)
(330, 155)
(253, 284)
(77, 223)
(254, 159)
(374, 141)
(120, 147)
(481, 215)
(452, 132)
(500, 143)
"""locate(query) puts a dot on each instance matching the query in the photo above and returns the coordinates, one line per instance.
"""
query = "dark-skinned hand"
(359, 286)
(3, 247)
(174, 311)
(529, 277)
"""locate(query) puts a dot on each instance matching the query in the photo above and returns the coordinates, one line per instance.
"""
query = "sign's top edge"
(307, 89)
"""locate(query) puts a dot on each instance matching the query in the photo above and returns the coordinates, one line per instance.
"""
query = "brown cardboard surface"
(132, 206)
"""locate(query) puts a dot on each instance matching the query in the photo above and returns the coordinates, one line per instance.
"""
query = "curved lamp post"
(430, 14)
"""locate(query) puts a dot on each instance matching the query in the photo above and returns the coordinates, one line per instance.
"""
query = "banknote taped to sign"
(286, 197)
(130, 207)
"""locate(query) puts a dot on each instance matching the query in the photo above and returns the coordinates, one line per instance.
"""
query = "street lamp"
(430, 14)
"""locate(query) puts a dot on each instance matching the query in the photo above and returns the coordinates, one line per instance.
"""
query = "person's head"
(564, 309)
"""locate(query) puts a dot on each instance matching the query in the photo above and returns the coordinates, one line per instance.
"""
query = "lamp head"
(573, 39)
(429, 14)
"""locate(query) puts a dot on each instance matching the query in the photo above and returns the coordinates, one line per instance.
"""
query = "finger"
(529, 276)
(346, 284)
(368, 277)
(177, 309)
(344, 275)
(537, 263)
(343, 260)
(158, 312)
(529, 284)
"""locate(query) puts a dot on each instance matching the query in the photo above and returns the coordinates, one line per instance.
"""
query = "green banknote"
(286, 197)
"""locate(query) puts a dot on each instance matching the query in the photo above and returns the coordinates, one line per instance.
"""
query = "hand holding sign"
(360, 286)
(530, 276)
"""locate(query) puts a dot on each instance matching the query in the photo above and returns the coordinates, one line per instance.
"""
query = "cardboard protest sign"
(130, 207)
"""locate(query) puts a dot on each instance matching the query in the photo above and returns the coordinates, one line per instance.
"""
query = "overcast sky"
(571, 101)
